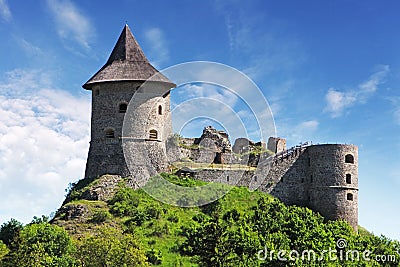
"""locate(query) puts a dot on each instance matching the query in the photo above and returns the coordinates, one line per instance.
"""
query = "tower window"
(309, 162)
(96, 92)
(153, 134)
(159, 110)
(302, 180)
(349, 158)
(348, 178)
(311, 178)
(123, 107)
(110, 133)
(350, 196)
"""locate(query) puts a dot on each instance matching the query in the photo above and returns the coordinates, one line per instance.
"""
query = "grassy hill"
(239, 229)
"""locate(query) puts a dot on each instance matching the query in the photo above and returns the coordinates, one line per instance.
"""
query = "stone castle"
(131, 136)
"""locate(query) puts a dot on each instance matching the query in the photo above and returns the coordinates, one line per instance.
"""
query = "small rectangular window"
(348, 178)
(153, 134)
(350, 196)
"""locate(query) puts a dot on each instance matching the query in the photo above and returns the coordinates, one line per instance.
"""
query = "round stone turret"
(333, 181)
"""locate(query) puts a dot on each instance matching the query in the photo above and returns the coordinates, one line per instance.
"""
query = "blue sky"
(330, 71)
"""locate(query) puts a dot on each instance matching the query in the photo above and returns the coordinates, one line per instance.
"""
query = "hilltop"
(103, 221)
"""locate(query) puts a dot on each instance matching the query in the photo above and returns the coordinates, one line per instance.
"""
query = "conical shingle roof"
(127, 62)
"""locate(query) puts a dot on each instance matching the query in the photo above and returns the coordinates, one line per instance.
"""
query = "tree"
(9, 231)
(109, 247)
(3, 250)
(42, 244)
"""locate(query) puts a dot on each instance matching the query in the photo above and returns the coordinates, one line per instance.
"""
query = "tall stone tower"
(333, 181)
(127, 88)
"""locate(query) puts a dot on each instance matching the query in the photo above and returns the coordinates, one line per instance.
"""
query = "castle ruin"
(321, 177)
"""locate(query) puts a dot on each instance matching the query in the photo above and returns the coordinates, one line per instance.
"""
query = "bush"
(3, 250)
(173, 218)
(43, 244)
(154, 211)
(100, 216)
(154, 256)
(9, 231)
(110, 247)
(124, 202)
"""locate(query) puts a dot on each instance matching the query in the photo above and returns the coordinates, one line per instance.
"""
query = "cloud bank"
(44, 136)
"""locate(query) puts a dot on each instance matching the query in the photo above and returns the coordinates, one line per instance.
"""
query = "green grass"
(161, 234)
(212, 166)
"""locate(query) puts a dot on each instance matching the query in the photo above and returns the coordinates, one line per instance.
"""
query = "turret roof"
(127, 62)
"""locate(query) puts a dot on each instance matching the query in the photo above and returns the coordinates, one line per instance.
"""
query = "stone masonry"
(131, 136)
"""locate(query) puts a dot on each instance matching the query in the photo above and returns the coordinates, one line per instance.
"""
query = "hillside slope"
(110, 224)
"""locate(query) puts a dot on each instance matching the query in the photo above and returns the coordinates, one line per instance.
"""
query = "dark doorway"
(218, 158)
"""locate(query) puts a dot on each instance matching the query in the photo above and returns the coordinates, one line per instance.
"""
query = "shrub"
(154, 211)
(124, 202)
(9, 231)
(100, 216)
(43, 244)
(173, 218)
(154, 256)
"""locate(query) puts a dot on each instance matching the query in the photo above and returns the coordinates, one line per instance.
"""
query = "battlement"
(321, 177)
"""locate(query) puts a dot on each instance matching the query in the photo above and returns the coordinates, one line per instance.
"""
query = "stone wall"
(315, 176)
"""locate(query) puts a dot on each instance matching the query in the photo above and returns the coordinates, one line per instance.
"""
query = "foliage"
(9, 231)
(154, 256)
(124, 202)
(192, 146)
(182, 181)
(109, 247)
(38, 220)
(3, 251)
(233, 231)
(231, 238)
(160, 188)
(42, 244)
(74, 190)
(100, 216)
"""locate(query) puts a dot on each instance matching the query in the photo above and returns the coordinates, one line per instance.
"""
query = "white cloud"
(395, 100)
(71, 23)
(338, 102)
(159, 51)
(5, 12)
(28, 47)
(397, 115)
(44, 135)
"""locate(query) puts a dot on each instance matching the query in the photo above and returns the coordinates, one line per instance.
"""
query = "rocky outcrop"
(103, 189)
